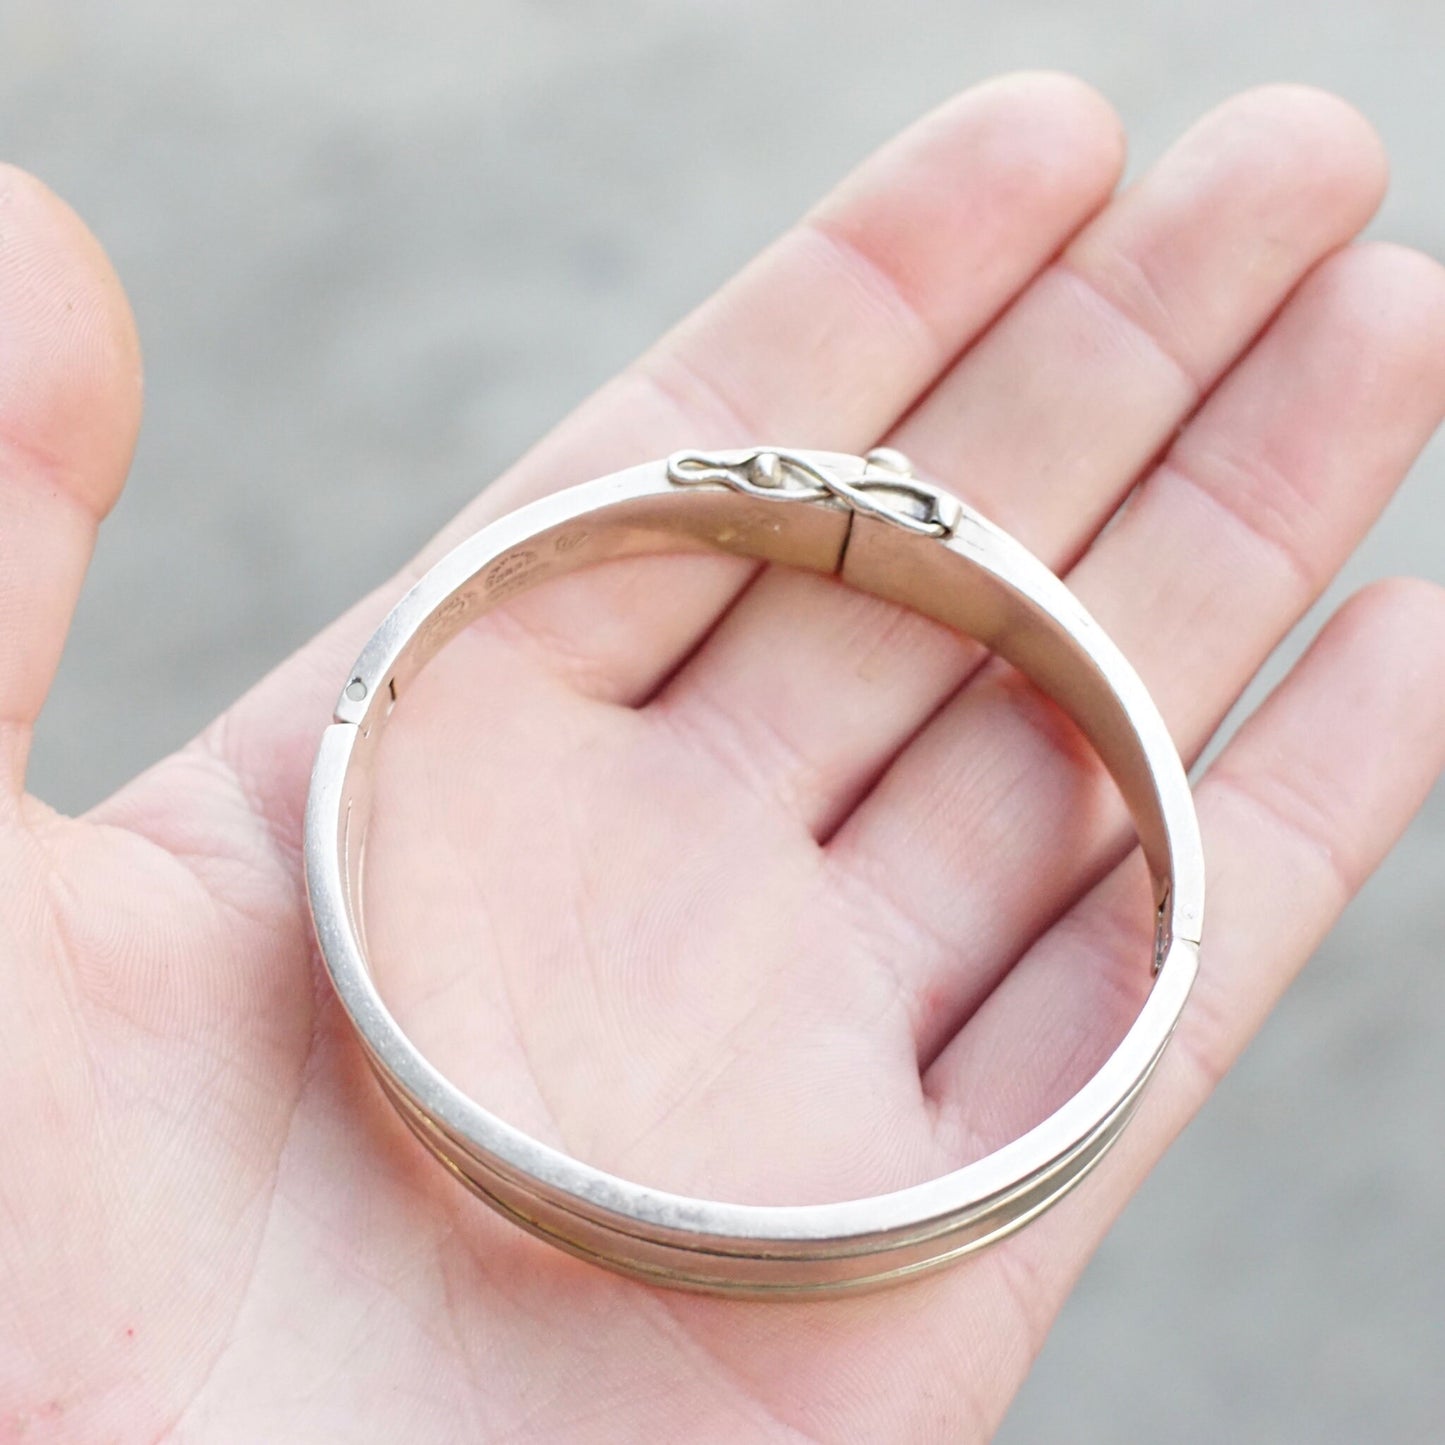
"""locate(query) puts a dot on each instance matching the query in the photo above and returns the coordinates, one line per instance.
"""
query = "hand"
(733, 881)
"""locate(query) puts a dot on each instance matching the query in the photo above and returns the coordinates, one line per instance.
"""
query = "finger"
(830, 334)
(1079, 386)
(69, 410)
(994, 819)
(1044, 424)
(1297, 812)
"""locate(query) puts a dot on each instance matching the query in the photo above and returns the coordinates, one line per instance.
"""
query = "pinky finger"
(1297, 812)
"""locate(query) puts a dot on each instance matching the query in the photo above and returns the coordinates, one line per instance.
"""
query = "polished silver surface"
(878, 527)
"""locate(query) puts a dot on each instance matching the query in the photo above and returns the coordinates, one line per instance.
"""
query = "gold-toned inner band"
(938, 580)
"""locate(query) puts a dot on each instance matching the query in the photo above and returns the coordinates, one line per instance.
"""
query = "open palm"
(728, 879)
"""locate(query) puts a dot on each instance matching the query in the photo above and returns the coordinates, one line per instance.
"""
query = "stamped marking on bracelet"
(511, 572)
(448, 618)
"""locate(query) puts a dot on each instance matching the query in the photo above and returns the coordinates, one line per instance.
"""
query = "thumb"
(69, 412)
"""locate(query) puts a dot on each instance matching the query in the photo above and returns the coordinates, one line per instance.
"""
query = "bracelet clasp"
(884, 487)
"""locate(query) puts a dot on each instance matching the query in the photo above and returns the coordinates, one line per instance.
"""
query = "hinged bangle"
(880, 528)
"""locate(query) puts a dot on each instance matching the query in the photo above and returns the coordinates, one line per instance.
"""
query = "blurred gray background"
(376, 248)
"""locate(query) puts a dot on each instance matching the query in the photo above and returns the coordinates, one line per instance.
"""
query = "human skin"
(724, 877)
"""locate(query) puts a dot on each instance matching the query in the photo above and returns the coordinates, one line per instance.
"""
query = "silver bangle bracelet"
(879, 528)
